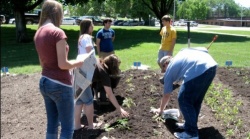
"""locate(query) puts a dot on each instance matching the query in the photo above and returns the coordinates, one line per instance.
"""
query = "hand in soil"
(124, 113)
(157, 111)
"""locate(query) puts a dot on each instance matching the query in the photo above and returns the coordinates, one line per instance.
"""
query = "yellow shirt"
(167, 35)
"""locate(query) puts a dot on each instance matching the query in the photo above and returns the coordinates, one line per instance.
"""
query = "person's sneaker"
(184, 135)
(162, 80)
(180, 125)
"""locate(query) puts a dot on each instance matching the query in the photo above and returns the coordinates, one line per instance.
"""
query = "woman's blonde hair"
(111, 63)
(84, 26)
(52, 10)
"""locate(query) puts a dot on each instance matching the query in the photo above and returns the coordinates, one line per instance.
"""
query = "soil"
(23, 113)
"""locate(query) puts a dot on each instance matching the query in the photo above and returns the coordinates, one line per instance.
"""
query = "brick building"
(235, 22)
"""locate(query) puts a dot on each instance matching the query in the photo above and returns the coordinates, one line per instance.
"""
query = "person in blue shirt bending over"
(104, 39)
(196, 69)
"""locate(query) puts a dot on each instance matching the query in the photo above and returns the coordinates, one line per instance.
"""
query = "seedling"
(225, 107)
(130, 88)
(129, 80)
(153, 88)
(131, 85)
(230, 132)
(128, 102)
(107, 128)
(151, 100)
(158, 118)
(122, 124)
(146, 77)
(247, 80)
(157, 133)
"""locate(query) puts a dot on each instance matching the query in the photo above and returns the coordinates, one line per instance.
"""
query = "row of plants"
(225, 108)
(218, 98)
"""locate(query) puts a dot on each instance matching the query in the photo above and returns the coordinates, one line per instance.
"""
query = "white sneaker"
(184, 135)
(180, 125)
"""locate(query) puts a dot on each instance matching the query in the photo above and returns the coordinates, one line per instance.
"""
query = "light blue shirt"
(186, 65)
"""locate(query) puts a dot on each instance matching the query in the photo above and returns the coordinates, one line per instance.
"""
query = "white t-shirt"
(85, 41)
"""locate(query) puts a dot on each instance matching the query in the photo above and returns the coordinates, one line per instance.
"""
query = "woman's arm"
(113, 100)
(98, 45)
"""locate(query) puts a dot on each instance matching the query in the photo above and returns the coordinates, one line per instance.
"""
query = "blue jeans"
(190, 98)
(59, 105)
(86, 97)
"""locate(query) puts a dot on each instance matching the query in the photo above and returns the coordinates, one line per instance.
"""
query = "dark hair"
(166, 18)
(111, 63)
(106, 20)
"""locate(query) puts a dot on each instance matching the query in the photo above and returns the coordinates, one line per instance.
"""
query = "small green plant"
(248, 135)
(153, 88)
(146, 77)
(129, 80)
(158, 118)
(156, 133)
(128, 102)
(123, 124)
(151, 100)
(247, 80)
(131, 85)
(230, 132)
(130, 88)
(225, 107)
(107, 128)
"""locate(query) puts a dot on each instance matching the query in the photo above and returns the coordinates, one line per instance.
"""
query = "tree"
(159, 7)
(222, 8)
(192, 10)
(19, 7)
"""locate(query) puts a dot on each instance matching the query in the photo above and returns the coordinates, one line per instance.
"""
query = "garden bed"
(23, 113)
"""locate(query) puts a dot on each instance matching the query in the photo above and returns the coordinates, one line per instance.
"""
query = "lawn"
(131, 44)
(225, 113)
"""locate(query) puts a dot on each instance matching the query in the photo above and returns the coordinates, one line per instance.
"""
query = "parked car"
(118, 22)
(75, 17)
(12, 21)
(95, 19)
(29, 18)
(193, 24)
(2, 19)
(180, 23)
(141, 23)
(68, 21)
(131, 23)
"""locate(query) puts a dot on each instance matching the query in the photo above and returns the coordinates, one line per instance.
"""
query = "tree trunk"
(21, 31)
(159, 8)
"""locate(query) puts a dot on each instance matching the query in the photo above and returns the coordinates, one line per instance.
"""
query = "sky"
(244, 3)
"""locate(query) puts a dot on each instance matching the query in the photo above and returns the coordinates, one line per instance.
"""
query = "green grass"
(131, 44)
(238, 32)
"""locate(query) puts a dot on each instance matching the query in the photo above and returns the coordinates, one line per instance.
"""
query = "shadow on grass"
(20, 54)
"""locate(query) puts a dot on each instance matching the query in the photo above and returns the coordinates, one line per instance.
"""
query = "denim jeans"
(190, 97)
(59, 105)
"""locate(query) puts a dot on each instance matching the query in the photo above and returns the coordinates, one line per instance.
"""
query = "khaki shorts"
(102, 55)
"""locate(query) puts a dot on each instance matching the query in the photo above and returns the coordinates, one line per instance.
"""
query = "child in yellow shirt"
(168, 39)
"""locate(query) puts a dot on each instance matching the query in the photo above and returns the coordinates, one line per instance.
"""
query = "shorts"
(102, 55)
(86, 97)
(161, 54)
